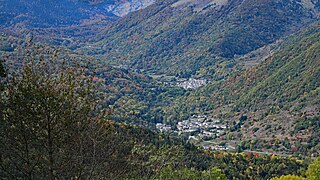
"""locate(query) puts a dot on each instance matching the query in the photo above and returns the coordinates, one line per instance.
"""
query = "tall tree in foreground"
(48, 125)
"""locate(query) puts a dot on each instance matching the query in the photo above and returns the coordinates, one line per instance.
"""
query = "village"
(199, 129)
(191, 83)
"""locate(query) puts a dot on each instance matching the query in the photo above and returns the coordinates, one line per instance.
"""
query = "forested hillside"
(48, 14)
(67, 22)
(131, 96)
(55, 14)
(180, 37)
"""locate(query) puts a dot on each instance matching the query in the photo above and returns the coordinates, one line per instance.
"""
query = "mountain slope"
(49, 13)
(274, 102)
(67, 22)
(67, 12)
(171, 36)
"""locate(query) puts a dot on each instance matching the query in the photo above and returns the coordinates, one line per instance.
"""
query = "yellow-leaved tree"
(313, 173)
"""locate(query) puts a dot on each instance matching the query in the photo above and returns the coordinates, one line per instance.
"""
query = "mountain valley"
(167, 89)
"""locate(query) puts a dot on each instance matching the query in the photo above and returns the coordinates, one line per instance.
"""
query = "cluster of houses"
(202, 125)
(200, 128)
(191, 83)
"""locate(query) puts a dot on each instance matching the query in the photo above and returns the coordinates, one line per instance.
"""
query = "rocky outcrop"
(124, 8)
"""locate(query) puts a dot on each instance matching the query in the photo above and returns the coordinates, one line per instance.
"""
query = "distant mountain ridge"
(193, 34)
(67, 23)
(52, 13)
(43, 14)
